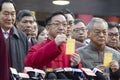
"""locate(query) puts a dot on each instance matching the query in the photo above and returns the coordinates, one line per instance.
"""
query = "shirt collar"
(8, 31)
(94, 48)
(15, 32)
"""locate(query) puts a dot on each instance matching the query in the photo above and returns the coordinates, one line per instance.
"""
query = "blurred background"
(84, 9)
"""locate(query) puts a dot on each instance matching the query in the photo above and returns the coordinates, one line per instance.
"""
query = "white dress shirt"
(6, 33)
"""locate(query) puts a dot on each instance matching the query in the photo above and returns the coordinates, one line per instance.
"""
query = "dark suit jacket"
(19, 47)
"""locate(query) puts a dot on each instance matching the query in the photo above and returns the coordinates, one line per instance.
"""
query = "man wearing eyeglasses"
(79, 32)
(51, 53)
(92, 55)
(113, 36)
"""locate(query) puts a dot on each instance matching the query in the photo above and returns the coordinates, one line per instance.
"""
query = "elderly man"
(13, 43)
(25, 22)
(92, 55)
(79, 33)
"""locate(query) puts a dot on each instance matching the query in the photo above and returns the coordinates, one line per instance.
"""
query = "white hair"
(95, 20)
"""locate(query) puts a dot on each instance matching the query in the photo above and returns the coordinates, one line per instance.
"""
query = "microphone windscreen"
(70, 75)
(61, 75)
(51, 76)
(13, 71)
(40, 73)
(31, 73)
(99, 76)
(78, 72)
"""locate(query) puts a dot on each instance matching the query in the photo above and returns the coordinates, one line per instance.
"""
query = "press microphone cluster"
(29, 74)
(53, 74)
(64, 73)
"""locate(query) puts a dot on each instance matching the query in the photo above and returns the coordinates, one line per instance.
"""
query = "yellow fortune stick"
(107, 59)
(70, 46)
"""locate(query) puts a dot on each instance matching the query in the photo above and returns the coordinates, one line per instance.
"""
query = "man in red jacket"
(51, 54)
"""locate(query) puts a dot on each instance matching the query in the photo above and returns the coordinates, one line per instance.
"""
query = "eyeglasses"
(78, 30)
(59, 24)
(113, 34)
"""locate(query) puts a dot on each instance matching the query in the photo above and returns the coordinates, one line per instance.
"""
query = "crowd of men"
(26, 45)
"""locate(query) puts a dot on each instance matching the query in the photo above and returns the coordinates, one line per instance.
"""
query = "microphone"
(17, 76)
(78, 74)
(32, 75)
(60, 73)
(52, 76)
(26, 69)
(69, 73)
(36, 74)
(14, 73)
(74, 74)
(89, 74)
(40, 73)
(99, 74)
(30, 71)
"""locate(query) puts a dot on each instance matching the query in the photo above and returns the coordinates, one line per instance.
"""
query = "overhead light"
(61, 2)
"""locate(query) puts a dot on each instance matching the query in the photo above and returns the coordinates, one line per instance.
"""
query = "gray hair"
(23, 13)
(94, 21)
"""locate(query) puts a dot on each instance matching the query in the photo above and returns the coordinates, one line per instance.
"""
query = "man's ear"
(18, 25)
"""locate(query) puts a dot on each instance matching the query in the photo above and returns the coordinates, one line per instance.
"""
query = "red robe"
(48, 55)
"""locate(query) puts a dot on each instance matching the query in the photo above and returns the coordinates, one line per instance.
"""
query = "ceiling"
(94, 7)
